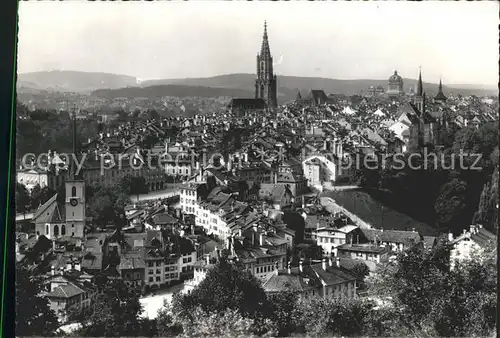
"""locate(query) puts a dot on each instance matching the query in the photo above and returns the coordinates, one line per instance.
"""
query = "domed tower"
(395, 86)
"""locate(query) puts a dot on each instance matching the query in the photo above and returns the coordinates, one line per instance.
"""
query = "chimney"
(245, 157)
(261, 239)
(337, 262)
(240, 232)
(207, 259)
(330, 261)
(69, 266)
(301, 269)
(450, 237)
(413, 229)
(52, 270)
(472, 229)
(192, 229)
(323, 265)
(381, 229)
(289, 267)
(54, 245)
(78, 267)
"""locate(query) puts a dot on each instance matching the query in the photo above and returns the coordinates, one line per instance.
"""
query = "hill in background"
(158, 91)
(233, 85)
(73, 81)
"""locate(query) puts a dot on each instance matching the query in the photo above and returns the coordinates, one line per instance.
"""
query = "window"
(158, 278)
(150, 264)
(73, 191)
(56, 230)
(150, 279)
(47, 229)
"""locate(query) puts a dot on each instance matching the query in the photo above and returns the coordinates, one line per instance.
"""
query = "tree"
(33, 314)
(487, 213)
(40, 195)
(361, 270)
(450, 204)
(228, 323)
(22, 198)
(226, 287)
(115, 312)
(296, 222)
(284, 307)
(133, 185)
(416, 281)
(106, 205)
(332, 316)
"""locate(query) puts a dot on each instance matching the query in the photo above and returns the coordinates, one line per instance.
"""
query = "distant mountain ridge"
(227, 85)
(74, 81)
(158, 91)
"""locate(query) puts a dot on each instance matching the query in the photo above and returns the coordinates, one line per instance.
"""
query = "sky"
(455, 41)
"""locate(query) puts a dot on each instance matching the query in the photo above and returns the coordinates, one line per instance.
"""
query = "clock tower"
(75, 195)
(75, 208)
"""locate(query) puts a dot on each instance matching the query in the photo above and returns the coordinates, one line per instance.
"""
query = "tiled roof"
(164, 219)
(332, 275)
(284, 282)
(393, 236)
(65, 291)
(362, 248)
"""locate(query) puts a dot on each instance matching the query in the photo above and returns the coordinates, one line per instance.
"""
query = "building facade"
(395, 85)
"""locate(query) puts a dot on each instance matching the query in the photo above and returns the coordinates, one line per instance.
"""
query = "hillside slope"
(158, 91)
(74, 81)
(288, 84)
(237, 84)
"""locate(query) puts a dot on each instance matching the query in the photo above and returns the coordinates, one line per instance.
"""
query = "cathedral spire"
(265, 50)
(420, 87)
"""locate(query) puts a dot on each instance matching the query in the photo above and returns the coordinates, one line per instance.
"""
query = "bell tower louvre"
(266, 82)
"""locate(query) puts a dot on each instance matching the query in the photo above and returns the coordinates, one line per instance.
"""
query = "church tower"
(265, 84)
(440, 97)
(419, 99)
(75, 195)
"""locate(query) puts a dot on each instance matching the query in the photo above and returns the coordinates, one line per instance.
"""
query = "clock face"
(73, 202)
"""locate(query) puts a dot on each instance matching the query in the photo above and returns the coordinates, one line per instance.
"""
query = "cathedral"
(266, 82)
(425, 127)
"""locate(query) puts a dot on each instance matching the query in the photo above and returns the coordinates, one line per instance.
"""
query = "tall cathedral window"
(56, 231)
(73, 192)
(47, 229)
(63, 230)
